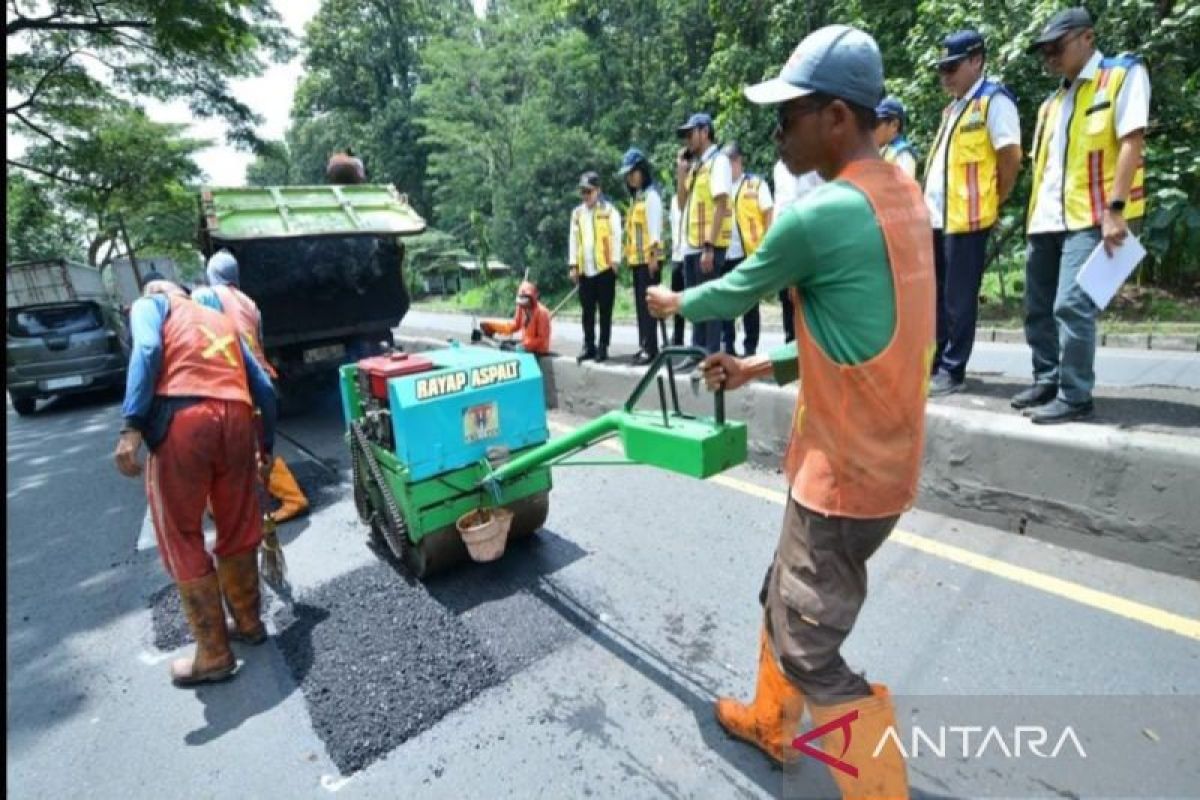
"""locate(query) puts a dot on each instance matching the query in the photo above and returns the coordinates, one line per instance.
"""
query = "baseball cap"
(890, 108)
(959, 45)
(695, 121)
(589, 180)
(631, 159)
(837, 60)
(1060, 25)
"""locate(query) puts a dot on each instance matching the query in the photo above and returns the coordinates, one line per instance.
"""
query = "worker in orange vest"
(190, 396)
(223, 294)
(531, 320)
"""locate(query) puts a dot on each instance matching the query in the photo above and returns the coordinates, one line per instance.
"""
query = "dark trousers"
(959, 258)
(598, 291)
(705, 335)
(647, 325)
(677, 285)
(789, 315)
(751, 321)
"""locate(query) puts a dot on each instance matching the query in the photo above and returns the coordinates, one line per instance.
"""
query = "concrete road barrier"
(1132, 496)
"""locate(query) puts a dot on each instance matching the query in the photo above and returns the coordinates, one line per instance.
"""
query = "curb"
(1124, 495)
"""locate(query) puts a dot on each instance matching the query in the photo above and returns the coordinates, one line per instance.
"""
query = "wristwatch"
(1116, 205)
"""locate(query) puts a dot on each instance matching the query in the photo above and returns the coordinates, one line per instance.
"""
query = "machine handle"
(666, 356)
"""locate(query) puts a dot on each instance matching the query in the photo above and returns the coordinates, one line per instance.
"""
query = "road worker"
(643, 244)
(531, 320)
(594, 253)
(752, 210)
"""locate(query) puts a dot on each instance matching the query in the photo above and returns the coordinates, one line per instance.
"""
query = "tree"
(35, 226)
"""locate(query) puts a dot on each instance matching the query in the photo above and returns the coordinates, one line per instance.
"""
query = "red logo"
(801, 743)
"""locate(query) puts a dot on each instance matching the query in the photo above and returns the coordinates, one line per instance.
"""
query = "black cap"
(1060, 25)
(589, 180)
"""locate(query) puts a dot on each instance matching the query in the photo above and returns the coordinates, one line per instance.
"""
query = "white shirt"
(654, 217)
(908, 163)
(720, 182)
(676, 230)
(765, 204)
(587, 224)
(1132, 114)
(790, 188)
(1004, 129)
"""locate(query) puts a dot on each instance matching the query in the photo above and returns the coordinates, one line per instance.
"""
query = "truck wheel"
(24, 405)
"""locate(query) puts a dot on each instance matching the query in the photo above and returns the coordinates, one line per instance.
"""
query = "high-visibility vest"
(892, 150)
(702, 211)
(639, 249)
(971, 181)
(859, 429)
(751, 220)
(248, 319)
(1091, 148)
(601, 221)
(202, 355)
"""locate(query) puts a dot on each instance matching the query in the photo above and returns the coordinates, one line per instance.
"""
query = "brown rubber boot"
(879, 777)
(282, 486)
(239, 584)
(214, 661)
(772, 719)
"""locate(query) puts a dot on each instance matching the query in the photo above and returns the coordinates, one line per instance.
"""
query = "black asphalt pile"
(379, 661)
(170, 625)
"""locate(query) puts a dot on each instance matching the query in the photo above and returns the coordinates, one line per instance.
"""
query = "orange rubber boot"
(213, 661)
(880, 777)
(772, 719)
(282, 486)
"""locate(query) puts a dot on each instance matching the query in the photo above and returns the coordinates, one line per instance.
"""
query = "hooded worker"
(223, 294)
(531, 320)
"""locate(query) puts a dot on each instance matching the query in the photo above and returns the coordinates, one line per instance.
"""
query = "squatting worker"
(890, 120)
(1088, 187)
(190, 396)
(972, 168)
(643, 244)
(223, 294)
(594, 252)
(857, 253)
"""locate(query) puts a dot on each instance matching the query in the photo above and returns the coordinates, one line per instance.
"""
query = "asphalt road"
(618, 624)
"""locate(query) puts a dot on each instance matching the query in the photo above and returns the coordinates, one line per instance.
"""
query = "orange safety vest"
(201, 355)
(859, 429)
(248, 319)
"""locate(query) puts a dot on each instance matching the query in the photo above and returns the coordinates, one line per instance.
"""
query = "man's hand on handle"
(663, 303)
(722, 370)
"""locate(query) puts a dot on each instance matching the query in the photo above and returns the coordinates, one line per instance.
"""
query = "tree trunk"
(137, 273)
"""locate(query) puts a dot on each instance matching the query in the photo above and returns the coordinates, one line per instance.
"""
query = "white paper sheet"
(1102, 275)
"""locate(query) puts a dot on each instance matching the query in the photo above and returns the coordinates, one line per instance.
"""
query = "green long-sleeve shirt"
(830, 246)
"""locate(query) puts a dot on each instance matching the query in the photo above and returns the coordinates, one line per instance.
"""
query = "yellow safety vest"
(751, 220)
(601, 219)
(1091, 148)
(702, 211)
(971, 180)
(639, 249)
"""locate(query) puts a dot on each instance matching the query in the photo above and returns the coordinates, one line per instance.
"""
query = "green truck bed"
(231, 214)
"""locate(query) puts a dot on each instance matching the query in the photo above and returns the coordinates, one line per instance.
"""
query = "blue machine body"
(473, 399)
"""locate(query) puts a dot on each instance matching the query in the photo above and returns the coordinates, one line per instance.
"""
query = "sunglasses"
(786, 112)
(951, 68)
(1055, 48)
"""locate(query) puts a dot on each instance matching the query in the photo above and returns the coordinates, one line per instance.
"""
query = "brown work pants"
(811, 597)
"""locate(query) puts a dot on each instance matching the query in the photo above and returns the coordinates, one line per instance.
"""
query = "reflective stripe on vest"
(858, 431)
(702, 210)
(246, 316)
(1091, 148)
(751, 221)
(638, 249)
(201, 354)
(971, 180)
(601, 221)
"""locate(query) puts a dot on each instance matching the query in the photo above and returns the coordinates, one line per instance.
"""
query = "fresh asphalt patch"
(169, 623)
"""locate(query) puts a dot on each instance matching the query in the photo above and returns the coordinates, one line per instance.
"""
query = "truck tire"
(24, 405)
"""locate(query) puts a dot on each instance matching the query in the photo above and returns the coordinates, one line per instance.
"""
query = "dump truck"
(323, 263)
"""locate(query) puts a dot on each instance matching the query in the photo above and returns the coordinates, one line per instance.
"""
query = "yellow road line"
(1069, 590)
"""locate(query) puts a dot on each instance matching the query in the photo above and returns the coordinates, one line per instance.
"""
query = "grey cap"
(837, 60)
(1061, 24)
(589, 180)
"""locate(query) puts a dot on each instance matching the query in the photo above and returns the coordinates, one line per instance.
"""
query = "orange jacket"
(532, 322)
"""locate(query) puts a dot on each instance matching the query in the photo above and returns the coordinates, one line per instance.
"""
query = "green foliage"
(35, 228)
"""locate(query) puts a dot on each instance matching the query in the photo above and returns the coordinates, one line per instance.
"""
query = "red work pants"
(209, 452)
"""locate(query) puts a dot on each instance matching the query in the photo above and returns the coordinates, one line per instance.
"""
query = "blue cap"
(631, 159)
(837, 60)
(959, 45)
(890, 108)
(695, 121)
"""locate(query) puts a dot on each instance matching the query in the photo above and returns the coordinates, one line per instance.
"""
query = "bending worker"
(531, 320)
(190, 396)
(857, 256)
(223, 294)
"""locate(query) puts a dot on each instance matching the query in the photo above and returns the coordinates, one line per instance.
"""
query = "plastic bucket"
(485, 532)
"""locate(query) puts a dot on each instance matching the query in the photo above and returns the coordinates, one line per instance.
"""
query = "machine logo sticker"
(481, 422)
(438, 385)
(495, 373)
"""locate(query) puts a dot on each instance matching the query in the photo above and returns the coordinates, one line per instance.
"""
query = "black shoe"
(586, 354)
(944, 383)
(1057, 411)
(642, 358)
(1037, 395)
(602, 354)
